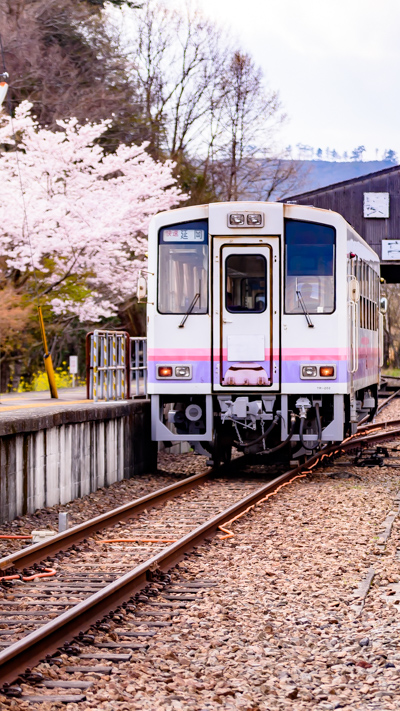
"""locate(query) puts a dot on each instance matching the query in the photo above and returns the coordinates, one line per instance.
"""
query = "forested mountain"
(313, 174)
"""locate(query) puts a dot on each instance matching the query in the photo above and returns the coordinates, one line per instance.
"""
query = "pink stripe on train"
(203, 354)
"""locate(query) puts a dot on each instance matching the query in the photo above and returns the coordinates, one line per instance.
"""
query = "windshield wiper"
(303, 306)
(190, 309)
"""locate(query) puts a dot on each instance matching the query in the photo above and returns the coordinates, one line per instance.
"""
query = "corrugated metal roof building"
(371, 204)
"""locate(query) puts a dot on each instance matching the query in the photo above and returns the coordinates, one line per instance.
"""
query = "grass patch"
(395, 372)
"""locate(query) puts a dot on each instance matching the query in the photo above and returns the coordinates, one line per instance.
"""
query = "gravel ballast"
(281, 628)
(171, 468)
(285, 626)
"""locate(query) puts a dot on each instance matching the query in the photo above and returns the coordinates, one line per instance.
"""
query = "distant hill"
(316, 174)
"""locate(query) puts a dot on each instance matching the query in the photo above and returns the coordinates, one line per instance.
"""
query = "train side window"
(245, 287)
(369, 289)
(309, 267)
(183, 268)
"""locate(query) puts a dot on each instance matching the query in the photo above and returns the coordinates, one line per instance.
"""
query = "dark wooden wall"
(347, 198)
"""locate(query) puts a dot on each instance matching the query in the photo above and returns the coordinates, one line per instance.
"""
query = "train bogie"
(263, 327)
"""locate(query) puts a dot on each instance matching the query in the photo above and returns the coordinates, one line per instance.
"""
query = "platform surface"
(37, 410)
(21, 401)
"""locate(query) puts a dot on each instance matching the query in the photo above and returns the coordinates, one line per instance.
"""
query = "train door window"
(245, 283)
(309, 267)
(183, 268)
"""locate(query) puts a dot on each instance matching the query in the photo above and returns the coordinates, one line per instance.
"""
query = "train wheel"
(221, 451)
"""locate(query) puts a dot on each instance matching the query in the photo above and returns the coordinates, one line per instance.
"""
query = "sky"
(335, 64)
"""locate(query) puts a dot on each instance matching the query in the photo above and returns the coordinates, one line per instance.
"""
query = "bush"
(39, 380)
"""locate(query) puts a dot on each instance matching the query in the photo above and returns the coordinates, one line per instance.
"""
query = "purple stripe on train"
(291, 372)
(201, 371)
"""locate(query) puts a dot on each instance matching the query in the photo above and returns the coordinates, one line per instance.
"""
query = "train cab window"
(183, 268)
(245, 290)
(309, 267)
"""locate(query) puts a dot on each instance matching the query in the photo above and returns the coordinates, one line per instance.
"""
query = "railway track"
(104, 570)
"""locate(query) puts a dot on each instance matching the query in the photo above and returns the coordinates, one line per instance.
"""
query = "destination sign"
(182, 235)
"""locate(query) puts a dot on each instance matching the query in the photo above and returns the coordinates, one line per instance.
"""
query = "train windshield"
(310, 267)
(183, 268)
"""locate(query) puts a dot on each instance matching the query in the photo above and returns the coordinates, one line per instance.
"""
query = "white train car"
(263, 327)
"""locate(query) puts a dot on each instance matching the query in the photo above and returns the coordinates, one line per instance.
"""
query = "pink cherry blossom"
(87, 212)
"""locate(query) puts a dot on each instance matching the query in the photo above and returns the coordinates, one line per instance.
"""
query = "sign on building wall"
(391, 249)
(376, 205)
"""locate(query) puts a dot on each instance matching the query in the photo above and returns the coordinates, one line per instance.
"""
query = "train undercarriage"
(291, 425)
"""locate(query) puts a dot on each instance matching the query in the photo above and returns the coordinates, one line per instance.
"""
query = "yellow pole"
(48, 363)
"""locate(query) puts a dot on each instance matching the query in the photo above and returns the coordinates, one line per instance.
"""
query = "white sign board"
(73, 365)
(391, 250)
(376, 205)
(246, 348)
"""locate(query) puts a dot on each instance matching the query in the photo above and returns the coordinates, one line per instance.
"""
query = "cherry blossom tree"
(74, 219)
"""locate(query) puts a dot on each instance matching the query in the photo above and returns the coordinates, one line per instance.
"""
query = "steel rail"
(381, 434)
(61, 541)
(377, 425)
(31, 649)
(37, 552)
(381, 406)
(388, 400)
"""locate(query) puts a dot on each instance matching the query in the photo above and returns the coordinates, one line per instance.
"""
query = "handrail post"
(95, 371)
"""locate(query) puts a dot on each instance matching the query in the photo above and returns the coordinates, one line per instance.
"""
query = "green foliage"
(194, 182)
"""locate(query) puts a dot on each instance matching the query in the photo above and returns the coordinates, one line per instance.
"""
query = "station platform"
(23, 401)
(56, 450)
(22, 412)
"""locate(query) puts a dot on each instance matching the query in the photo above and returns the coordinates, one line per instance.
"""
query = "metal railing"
(113, 360)
(107, 365)
(138, 367)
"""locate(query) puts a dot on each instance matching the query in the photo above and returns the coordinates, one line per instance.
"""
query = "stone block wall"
(64, 453)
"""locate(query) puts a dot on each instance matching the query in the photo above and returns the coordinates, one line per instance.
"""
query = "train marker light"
(236, 219)
(3, 91)
(327, 371)
(164, 371)
(182, 371)
(254, 219)
(309, 371)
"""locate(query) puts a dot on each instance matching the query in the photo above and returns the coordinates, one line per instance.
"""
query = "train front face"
(248, 334)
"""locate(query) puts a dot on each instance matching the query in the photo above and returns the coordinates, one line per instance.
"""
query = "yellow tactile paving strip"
(29, 406)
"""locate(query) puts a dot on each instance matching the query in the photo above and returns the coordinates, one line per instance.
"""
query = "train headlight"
(254, 218)
(236, 219)
(317, 371)
(182, 371)
(164, 371)
(309, 371)
(327, 371)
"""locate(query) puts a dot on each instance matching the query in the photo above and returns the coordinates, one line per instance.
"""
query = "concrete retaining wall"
(53, 457)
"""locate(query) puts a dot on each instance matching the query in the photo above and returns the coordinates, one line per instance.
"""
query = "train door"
(246, 299)
(353, 324)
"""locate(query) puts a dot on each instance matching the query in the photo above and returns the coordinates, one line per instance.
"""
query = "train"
(264, 328)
